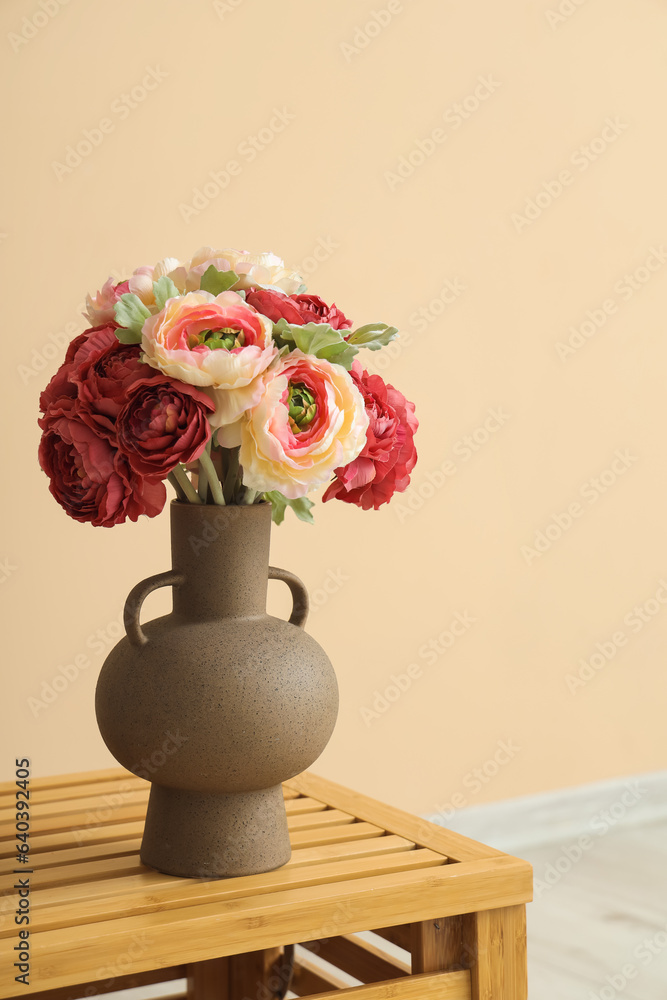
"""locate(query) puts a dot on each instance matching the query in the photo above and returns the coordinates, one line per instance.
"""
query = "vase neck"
(224, 554)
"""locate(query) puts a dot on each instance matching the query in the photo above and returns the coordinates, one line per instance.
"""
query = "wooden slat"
(70, 838)
(318, 911)
(450, 844)
(46, 796)
(250, 972)
(400, 935)
(303, 804)
(101, 986)
(309, 978)
(334, 834)
(67, 781)
(444, 986)
(152, 891)
(73, 855)
(358, 958)
(311, 821)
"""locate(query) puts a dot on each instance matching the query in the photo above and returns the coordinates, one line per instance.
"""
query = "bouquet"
(223, 377)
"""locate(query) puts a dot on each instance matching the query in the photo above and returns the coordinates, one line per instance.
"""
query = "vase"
(218, 702)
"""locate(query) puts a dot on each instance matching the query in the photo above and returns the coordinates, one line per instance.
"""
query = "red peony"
(163, 423)
(296, 309)
(389, 455)
(90, 479)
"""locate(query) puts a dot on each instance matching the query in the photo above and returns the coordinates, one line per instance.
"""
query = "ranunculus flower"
(102, 380)
(90, 478)
(142, 278)
(163, 423)
(252, 269)
(297, 309)
(90, 343)
(310, 420)
(389, 455)
(213, 341)
(100, 310)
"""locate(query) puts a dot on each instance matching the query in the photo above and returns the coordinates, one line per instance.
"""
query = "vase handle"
(299, 594)
(136, 598)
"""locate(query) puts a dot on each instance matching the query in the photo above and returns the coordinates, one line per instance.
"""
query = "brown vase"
(218, 702)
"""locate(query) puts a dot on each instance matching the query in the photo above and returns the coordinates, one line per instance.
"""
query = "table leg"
(496, 940)
(437, 944)
(208, 980)
(256, 975)
(491, 943)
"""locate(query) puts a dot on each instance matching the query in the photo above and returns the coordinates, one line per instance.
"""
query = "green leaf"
(318, 339)
(128, 336)
(131, 314)
(280, 503)
(163, 289)
(215, 281)
(373, 336)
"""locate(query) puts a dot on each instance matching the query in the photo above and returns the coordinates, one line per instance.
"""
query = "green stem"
(191, 494)
(250, 496)
(207, 467)
(203, 478)
(231, 473)
(180, 495)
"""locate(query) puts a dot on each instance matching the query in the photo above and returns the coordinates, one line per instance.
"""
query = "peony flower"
(163, 423)
(252, 268)
(213, 341)
(90, 479)
(310, 420)
(389, 455)
(297, 309)
(100, 310)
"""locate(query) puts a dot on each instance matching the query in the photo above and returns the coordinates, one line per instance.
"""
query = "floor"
(598, 926)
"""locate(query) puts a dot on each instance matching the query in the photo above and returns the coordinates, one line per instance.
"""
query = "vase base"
(207, 835)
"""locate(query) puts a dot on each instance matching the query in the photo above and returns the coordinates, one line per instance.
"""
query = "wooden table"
(101, 921)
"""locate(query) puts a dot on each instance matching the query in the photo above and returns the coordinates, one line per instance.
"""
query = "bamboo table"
(100, 921)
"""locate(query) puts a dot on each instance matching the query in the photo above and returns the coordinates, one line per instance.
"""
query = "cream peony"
(217, 342)
(310, 420)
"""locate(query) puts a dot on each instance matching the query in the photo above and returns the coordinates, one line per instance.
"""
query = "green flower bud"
(301, 406)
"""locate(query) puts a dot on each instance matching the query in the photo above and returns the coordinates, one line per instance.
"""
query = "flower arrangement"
(223, 377)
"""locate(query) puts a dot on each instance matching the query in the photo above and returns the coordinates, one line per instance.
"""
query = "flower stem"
(181, 476)
(250, 496)
(203, 477)
(208, 469)
(231, 474)
(180, 495)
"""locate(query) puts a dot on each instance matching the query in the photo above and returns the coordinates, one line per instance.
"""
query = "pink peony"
(389, 455)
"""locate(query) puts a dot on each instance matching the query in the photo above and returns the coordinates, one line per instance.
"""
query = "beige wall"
(327, 186)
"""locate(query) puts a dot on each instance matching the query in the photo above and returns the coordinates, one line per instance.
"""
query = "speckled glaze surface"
(217, 703)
